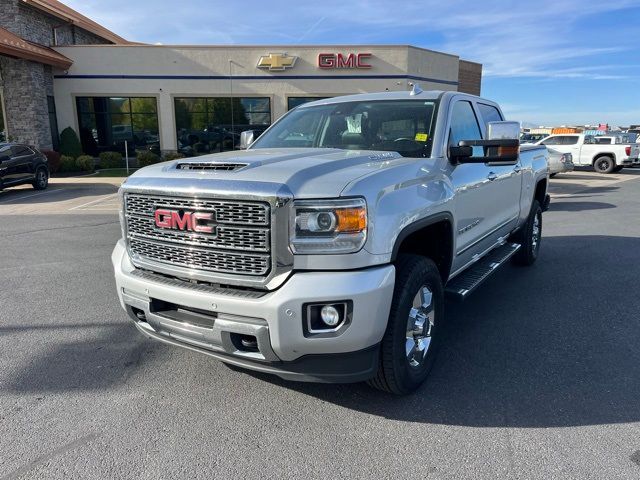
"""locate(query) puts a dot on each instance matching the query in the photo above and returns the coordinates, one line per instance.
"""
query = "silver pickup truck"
(325, 250)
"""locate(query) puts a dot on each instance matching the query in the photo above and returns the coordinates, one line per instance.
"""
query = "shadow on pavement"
(578, 206)
(552, 345)
(106, 360)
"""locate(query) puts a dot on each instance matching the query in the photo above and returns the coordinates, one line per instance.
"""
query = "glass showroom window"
(205, 124)
(293, 102)
(106, 122)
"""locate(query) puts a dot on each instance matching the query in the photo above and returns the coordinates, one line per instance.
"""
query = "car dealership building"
(195, 98)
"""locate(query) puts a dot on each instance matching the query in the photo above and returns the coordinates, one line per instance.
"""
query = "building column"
(167, 122)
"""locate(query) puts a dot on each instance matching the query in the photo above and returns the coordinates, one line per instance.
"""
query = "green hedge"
(146, 158)
(111, 160)
(67, 164)
(70, 143)
(172, 156)
(85, 163)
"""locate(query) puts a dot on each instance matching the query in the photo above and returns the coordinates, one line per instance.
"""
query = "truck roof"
(404, 95)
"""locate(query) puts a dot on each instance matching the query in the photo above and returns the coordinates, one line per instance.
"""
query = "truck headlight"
(328, 226)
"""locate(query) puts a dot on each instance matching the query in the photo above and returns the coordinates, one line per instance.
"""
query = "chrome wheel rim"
(535, 233)
(419, 327)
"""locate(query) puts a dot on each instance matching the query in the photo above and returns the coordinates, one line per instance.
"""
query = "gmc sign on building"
(340, 60)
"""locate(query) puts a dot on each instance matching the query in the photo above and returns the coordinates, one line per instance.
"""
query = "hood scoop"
(211, 166)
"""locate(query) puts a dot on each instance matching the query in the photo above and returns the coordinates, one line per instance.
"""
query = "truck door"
(474, 204)
(565, 144)
(506, 180)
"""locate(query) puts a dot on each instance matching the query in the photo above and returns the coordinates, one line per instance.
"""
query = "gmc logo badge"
(189, 221)
(339, 60)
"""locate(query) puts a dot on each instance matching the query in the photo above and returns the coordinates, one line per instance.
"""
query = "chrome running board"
(467, 281)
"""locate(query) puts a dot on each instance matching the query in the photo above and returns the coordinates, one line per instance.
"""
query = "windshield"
(403, 126)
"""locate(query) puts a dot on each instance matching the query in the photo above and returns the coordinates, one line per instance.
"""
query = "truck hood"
(303, 172)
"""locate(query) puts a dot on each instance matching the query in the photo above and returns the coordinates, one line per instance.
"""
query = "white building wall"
(166, 72)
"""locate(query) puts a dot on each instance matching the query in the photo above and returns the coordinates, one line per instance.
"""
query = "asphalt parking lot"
(540, 377)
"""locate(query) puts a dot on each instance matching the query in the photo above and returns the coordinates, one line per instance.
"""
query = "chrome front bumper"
(274, 318)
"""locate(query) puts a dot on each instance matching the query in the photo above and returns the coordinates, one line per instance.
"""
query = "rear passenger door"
(507, 179)
(22, 159)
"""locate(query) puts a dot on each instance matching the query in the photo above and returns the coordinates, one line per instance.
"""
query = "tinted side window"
(552, 141)
(464, 126)
(489, 113)
(19, 150)
(5, 153)
(568, 140)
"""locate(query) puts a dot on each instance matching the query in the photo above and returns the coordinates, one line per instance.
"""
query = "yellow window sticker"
(421, 137)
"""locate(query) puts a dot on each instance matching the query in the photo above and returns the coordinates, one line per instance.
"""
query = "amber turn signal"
(351, 220)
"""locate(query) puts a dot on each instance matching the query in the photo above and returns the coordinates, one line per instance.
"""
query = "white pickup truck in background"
(586, 151)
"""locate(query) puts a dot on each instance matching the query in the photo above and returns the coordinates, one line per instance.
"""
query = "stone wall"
(470, 77)
(25, 100)
(25, 84)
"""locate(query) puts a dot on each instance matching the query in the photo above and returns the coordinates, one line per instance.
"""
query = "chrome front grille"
(240, 243)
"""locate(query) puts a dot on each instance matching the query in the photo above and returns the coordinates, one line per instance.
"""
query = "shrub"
(172, 156)
(53, 159)
(85, 163)
(146, 158)
(67, 164)
(111, 160)
(70, 143)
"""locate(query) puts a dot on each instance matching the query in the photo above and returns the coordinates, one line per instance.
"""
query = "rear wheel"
(414, 329)
(42, 179)
(604, 164)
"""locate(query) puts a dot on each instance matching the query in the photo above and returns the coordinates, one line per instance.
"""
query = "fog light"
(330, 315)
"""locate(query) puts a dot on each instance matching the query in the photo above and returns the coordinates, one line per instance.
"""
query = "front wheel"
(42, 179)
(604, 164)
(414, 330)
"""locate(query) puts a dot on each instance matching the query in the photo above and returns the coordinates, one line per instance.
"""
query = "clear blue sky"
(547, 62)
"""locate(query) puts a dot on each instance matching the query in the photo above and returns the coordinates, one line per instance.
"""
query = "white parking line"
(93, 201)
(13, 199)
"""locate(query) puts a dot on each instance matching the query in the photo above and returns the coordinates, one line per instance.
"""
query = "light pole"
(233, 139)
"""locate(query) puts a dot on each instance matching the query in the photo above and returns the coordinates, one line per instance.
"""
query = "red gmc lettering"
(188, 221)
(360, 60)
(327, 60)
(348, 61)
(342, 60)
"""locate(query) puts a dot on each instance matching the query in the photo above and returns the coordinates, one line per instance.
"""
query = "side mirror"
(501, 146)
(503, 130)
(246, 139)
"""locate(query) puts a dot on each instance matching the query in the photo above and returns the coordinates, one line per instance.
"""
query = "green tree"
(70, 143)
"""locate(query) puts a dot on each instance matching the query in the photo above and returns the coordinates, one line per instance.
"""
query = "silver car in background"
(559, 162)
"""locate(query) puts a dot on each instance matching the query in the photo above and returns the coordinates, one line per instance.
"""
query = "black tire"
(618, 169)
(604, 164)
(529, 250)
(42, 179)
(395, 373)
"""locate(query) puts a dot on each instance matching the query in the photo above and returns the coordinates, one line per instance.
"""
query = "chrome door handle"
(492, 176)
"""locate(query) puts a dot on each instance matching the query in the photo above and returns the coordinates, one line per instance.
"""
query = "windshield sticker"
(421, 137)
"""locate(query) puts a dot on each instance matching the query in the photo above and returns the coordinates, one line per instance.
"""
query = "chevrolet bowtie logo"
(277, 61)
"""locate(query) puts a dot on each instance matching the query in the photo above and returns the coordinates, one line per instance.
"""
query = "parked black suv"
(22, 164)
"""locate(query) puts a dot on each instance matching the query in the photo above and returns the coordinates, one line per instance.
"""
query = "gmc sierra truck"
(324, 251)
